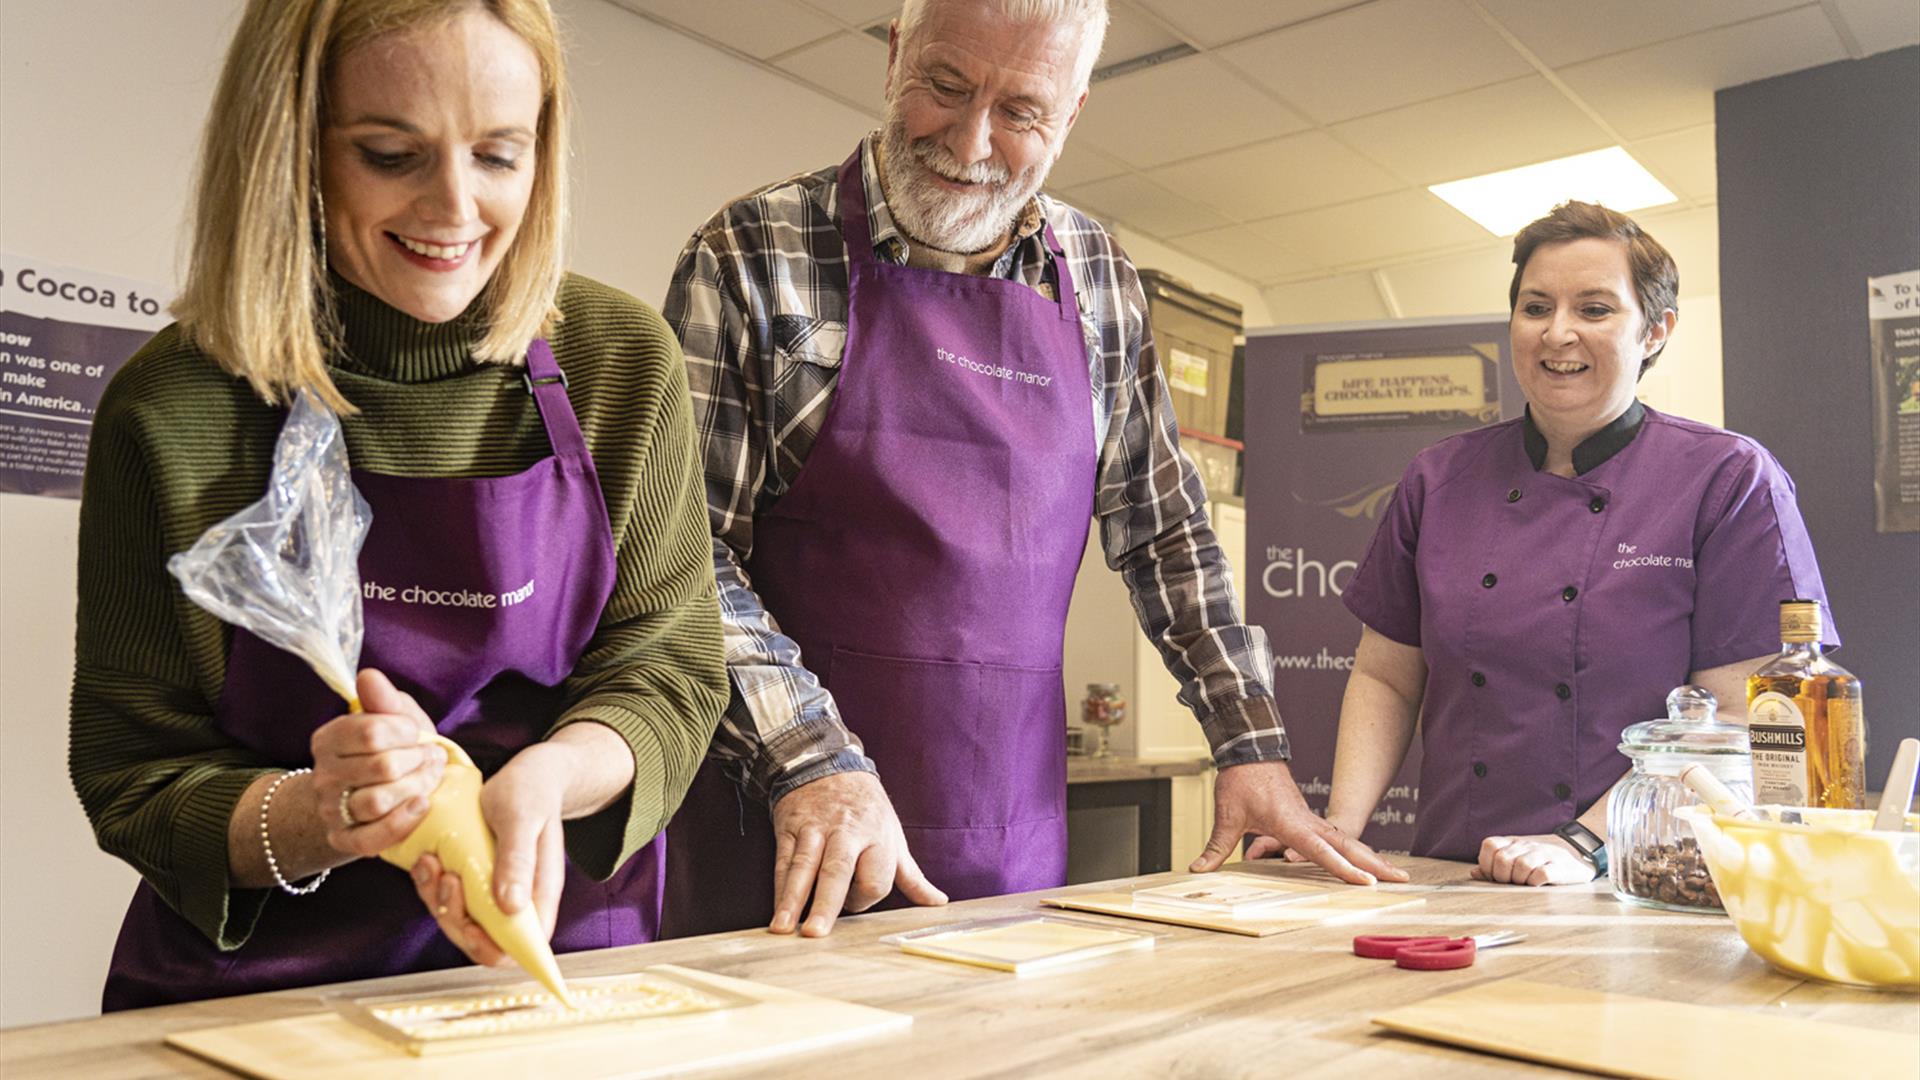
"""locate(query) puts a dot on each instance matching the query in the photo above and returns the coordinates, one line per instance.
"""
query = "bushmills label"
(1777, 731)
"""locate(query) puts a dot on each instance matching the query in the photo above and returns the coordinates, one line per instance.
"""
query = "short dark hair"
(1656, 280)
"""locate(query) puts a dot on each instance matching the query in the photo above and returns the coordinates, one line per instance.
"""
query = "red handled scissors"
(1430, 953)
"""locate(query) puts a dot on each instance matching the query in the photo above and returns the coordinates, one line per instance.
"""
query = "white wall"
(100, 108)
(1145, 251)
(96, 176)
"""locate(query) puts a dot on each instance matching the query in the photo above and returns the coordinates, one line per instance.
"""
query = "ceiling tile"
(1378, 56)
(1131, 34)
(1479, 131)
(1218, 22)
(1670, 86)
(1179, 109)
(1245, 251)
(1297, 172)
(1611, 26)
(1683, 160)
(759, 28)
(1144, 206)
(1082, 164)
(849, 64)
(1344, 298)
(1372, 230)
(1879, 25)
(857, 13)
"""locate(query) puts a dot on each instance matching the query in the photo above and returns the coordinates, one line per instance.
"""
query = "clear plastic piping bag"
(287, 568)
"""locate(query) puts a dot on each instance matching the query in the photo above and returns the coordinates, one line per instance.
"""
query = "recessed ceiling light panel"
(1504, 202)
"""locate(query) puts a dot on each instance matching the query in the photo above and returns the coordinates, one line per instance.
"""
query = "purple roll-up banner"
(1334, 415)
(64, 331)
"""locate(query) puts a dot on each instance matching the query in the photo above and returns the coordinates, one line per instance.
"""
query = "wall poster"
(1334, 415)
(63, 333)
(1893, 321)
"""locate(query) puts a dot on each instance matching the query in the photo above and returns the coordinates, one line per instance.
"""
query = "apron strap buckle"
(548, 380)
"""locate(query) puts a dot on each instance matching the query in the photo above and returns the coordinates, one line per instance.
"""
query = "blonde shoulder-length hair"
(257, 296)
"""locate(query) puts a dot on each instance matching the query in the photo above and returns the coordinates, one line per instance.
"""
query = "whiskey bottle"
(1808, 734)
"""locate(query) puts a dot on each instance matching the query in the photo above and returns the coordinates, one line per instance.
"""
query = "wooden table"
(1111, 770)
(1199, 1005)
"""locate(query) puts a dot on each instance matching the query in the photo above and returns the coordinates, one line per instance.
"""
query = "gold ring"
(346, 812)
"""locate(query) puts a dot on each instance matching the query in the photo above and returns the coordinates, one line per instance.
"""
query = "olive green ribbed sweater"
(179, 445)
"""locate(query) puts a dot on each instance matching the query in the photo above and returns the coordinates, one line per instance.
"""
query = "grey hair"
(1090, 15)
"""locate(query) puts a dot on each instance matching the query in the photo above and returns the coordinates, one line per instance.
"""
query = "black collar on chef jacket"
(1594, 451)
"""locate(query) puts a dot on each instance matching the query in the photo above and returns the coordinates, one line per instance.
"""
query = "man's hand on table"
(1532, 860)
(1262, 798)
(838, 839)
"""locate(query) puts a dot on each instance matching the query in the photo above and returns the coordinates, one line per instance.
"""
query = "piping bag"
(287, 569)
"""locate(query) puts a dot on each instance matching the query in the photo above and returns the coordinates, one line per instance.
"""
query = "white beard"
(960, 222)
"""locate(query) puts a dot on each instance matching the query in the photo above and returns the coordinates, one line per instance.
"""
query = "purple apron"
(923, 560)
(479, 596)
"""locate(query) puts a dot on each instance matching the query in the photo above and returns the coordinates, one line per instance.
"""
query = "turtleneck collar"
(386, 343)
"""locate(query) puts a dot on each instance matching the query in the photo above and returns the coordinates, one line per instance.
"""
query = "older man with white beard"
(916, 379)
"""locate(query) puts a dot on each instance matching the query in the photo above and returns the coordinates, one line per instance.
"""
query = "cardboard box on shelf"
(1193, 333)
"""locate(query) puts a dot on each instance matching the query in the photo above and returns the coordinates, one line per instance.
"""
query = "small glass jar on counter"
(1102, 709)
(1653, 858)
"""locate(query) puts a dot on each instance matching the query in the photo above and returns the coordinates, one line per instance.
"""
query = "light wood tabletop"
(1200, 1004)
(1092, 770)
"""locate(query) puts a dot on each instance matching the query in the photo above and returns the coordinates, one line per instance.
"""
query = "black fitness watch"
(1591, 847)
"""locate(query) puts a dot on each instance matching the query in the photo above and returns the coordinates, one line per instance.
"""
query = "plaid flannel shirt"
(759, 301)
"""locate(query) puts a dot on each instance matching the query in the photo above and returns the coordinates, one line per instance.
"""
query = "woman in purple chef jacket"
(1538, 585)
(378, 223)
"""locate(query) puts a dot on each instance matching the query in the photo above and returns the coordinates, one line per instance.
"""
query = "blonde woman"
(378, 222)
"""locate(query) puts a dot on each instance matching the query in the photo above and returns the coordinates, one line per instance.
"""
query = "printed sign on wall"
(63, 333)
(1334, 416)
(1417, 388)
(1893, 311)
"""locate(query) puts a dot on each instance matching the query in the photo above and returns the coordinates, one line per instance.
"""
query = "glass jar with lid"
(1653, 858)
(1103, 709)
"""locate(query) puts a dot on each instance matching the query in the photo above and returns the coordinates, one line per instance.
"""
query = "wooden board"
(1623, 1035)
(327, 1047)
(1337, 906)
(1026, 946)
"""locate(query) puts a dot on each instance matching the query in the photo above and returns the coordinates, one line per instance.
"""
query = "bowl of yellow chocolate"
(1819, 893)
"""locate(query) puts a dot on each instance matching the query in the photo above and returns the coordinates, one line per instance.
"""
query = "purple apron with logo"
(479, 596)
(923, 560)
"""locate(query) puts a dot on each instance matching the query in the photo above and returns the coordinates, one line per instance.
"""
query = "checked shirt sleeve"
(781, 728)
(1155, 531)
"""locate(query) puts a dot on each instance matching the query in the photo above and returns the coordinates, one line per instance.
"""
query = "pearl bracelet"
(266, 842)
